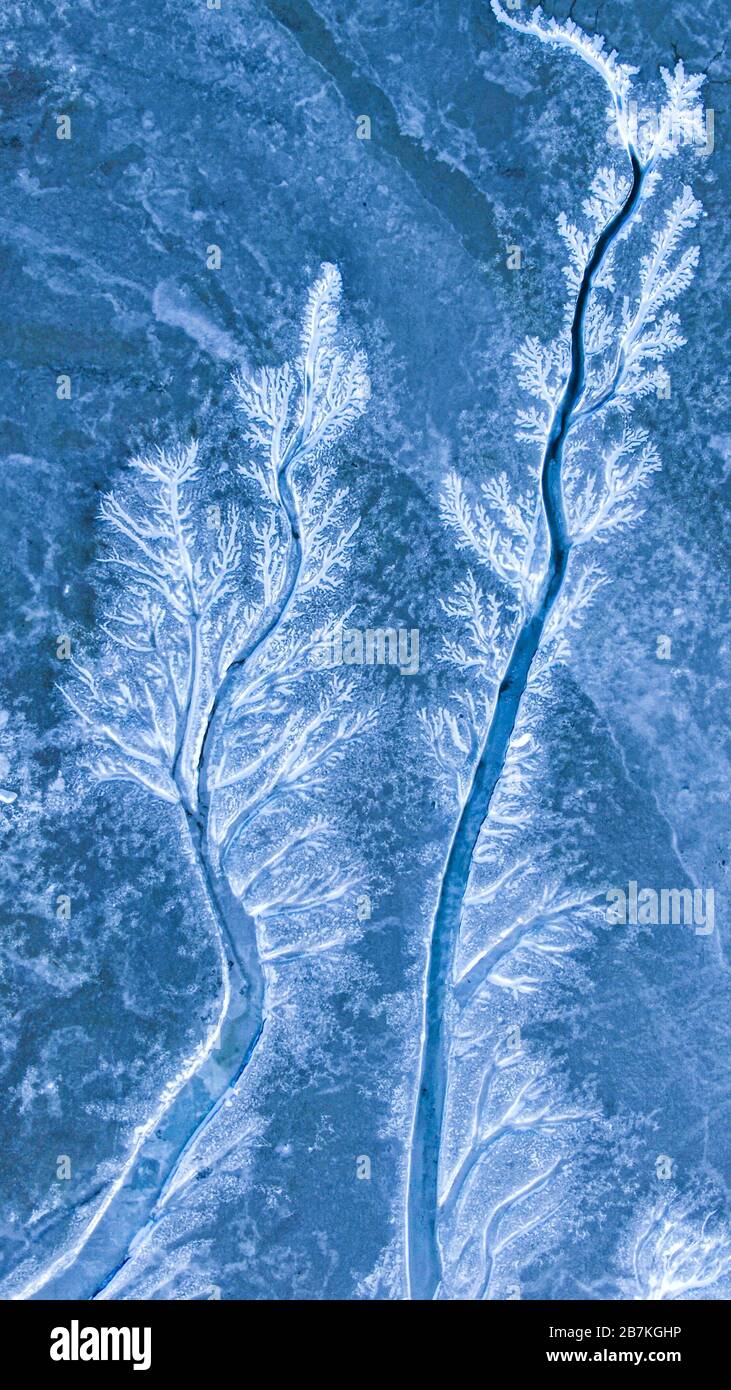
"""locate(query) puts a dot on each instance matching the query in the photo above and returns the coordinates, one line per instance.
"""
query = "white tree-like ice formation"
(494, 1134)
(679, 1246)
(204, 695)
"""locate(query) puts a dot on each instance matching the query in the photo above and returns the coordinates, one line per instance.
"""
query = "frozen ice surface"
(214, 164)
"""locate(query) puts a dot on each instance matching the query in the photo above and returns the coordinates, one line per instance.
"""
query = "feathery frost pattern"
(679, 1246)
(497, 1131)
(203, 695)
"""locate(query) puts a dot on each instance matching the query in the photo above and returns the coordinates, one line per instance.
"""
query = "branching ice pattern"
(495, 1130)
(203, 695)
(680, 1246)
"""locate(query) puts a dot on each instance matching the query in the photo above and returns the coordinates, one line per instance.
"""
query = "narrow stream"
(135, 1202)
(423, 1255)
(248, 1023)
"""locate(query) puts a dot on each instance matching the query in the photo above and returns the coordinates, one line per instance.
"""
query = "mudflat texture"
(212, 1054)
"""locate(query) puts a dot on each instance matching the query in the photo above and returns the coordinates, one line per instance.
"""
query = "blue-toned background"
(238, 127)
